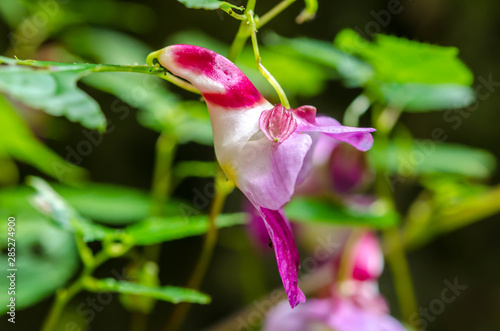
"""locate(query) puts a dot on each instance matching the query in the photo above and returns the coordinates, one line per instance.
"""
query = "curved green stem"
(262, 69)
(229, 10)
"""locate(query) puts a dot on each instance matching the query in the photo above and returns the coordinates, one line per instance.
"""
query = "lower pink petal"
(286, 252)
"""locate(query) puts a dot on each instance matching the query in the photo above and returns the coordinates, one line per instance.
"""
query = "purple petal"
(306, 114)
(357, 137)
(286, 252)
(348, 169)
(283, 318)
(347, 316)
(256, 228)
(268, 171)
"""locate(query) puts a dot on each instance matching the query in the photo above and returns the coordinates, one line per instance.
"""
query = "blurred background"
(125, 31)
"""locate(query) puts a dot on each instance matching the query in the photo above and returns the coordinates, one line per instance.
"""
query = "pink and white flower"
(265, 149)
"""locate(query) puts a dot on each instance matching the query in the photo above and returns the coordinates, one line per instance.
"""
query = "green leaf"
(410, 75)
(167, 293)
(147, 232)
(18, 142)
(51, 86)
(352, 71)
(46, 258)
(309, 210)
(203, 4)
(450, 203)
(48, 202)
(53, 91)
(157, 230)
(402, 61)
(110, 204)
(414, 158)
(94, 44)
(417, 97)
(144, 273)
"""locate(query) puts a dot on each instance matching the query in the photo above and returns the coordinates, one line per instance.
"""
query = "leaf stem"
(149, 69)
(222, 189)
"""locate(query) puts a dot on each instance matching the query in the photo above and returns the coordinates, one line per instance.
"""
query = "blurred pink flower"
(354, 304)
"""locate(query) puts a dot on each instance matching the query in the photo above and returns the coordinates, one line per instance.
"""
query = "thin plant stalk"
(384, 120)
(260, 66)
(222, 189)
(244, 31)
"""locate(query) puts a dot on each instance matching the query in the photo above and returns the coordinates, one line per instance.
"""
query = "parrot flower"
(264, 149)
(354, 304)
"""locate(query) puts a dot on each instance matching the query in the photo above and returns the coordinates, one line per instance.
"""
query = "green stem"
(275, 11)
(166, 146)
(150, 69)
(244, 31)
(239, 41)
(229, 10)
(401, 273)
(242, 35)
(161, 185)
(63, 296)
(262, 69)
(222, 190)
(384, 120)
(160, 189)
(357, 108)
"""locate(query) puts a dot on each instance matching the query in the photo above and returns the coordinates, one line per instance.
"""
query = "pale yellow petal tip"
(230, 173)
(150, 60)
